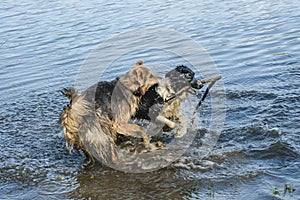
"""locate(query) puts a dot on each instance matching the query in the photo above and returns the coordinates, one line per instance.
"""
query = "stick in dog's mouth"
(190, 89)
(214, 79)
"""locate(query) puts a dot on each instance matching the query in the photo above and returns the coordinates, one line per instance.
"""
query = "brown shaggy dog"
(92, 120)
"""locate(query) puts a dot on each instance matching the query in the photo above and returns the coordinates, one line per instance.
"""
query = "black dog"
(162, 101)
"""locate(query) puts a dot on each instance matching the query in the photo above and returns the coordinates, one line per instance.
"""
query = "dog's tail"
(84, 128)
(69, 92)
(67, 121)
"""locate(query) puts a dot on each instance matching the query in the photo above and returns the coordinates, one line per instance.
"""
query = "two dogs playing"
(93, 119)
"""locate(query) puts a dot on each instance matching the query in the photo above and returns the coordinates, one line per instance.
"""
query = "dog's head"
(181, 77)
(183, 72)
(138, 79)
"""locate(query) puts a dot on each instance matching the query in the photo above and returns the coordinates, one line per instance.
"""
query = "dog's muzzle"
(196, 84)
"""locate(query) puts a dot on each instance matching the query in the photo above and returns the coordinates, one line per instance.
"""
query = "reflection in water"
(110, 184)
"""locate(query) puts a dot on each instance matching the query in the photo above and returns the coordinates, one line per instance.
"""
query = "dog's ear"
(139, 62)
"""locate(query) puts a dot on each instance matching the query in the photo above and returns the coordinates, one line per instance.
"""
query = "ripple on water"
(255, 45)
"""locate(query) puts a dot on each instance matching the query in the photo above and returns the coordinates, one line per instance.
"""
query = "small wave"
(249, 95)
(277, 150)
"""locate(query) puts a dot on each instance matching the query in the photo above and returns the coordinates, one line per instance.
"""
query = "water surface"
(254, 44)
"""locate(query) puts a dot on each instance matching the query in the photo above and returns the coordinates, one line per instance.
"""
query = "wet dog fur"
(162, 101)
(93, 119)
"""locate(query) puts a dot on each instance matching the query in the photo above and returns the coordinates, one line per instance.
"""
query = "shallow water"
(254, 44)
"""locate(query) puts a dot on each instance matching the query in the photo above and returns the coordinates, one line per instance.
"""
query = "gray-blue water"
(254, 44)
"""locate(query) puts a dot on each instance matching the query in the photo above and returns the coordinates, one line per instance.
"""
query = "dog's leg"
(89, 160)
(182, 130)
(132, 130)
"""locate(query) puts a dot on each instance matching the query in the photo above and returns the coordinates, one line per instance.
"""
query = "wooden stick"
(214, 79)
(184, 89)
(212, 82)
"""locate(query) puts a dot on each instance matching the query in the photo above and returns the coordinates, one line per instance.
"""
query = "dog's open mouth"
(196, 84)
